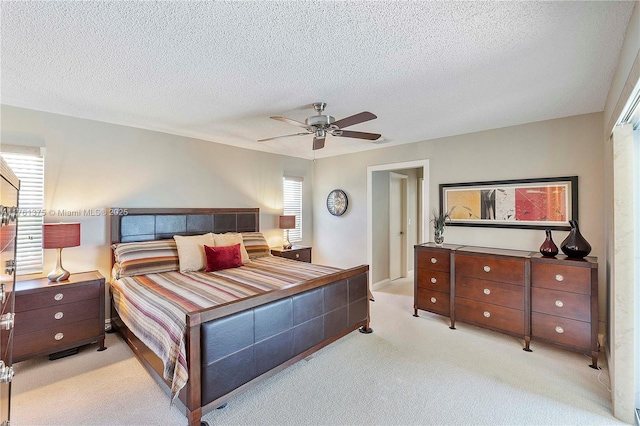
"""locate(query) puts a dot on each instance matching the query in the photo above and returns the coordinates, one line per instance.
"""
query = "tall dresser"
(9, 186)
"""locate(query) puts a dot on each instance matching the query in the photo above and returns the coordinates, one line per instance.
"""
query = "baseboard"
(379, 284)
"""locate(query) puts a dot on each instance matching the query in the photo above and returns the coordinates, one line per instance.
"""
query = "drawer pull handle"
(487, 269)
(433, 300)
(58, 296)
(58, 315)
(559, 277)
(486, 314)
(58, 336)
(559, 303)
(434, 260)
(486, 291)
(433, 280)
(559, 330)
(297, 255)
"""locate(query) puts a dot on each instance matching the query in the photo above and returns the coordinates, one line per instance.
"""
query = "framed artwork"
(543, 203)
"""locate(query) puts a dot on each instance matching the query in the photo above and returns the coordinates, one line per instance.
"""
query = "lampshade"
(60, 235)
(287, 222)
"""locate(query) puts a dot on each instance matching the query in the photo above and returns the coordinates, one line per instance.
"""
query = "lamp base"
(58, 273)
(286, 244)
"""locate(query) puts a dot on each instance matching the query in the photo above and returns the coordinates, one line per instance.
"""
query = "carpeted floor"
(410, 371)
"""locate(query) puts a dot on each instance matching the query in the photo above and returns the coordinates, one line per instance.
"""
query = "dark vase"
(575, 246)
(548, 247)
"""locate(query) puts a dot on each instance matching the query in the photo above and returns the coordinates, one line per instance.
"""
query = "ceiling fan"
(322, 125)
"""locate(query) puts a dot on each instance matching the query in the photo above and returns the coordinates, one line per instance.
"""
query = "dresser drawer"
(490, 316)
(562, 304)
(434, 260)
(496, 293)
(490, 268)
(56, 295)
(434, 301)
(560, 330)
(54, 316)
(434, 280)
(52, 339)
(561, 277)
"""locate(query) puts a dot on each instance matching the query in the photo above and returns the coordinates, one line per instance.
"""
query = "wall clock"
(337, 202)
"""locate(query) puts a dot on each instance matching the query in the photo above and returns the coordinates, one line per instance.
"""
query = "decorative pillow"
(191, 251)
(231, 239)
(256, 244)
(222, 257)
(145, 257)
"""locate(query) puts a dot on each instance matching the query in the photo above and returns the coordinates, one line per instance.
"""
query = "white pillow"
(191, 251)
(231, 239)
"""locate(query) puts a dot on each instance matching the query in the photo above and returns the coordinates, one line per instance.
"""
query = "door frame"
(403, 223)
(423, 197)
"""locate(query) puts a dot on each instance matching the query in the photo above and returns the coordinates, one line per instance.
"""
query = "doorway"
(378, 238)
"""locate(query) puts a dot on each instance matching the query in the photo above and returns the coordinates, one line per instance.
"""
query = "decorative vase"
(575, 246)
(438, 237)
(548, 247)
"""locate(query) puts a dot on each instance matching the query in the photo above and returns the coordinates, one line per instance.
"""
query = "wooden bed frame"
(282, 326)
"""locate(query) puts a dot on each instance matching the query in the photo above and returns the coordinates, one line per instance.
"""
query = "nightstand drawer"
(54, 316)
(56, 295)
(52, 339)
(300, 253)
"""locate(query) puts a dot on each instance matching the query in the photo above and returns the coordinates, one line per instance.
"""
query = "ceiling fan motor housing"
(320, 121)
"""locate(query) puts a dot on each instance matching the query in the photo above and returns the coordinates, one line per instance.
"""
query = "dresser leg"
(527, 342)
(453, 324)
(415, 311)
(102, 346)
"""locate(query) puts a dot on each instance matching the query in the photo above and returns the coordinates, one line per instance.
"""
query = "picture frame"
(538, 203)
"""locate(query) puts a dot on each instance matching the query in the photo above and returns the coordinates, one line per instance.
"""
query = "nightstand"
(301, 253)
(55, 318)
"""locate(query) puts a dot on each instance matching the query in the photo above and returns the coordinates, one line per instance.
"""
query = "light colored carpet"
(410, 371)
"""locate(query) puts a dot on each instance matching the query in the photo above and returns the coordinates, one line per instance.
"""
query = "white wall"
(91, 165)
(563, 147)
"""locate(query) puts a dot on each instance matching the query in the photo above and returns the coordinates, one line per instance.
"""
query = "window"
(292, 194)
(28, 165)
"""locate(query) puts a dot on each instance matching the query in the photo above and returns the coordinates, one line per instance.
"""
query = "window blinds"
(30, 170)
(292, 195)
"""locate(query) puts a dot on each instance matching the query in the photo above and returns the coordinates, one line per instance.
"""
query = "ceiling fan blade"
(289, 121)
(285, 136)
(355, 119)
(318, 143)
(358, 135)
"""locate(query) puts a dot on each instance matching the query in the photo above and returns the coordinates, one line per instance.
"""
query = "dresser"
(564, 303)
(55, 318)
(519, 293)
(432, 283)
(301, 253)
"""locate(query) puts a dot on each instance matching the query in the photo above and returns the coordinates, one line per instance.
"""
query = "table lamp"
(287, 222)
(59, 236)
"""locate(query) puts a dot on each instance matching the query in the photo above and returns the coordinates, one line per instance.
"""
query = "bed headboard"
(145, 224)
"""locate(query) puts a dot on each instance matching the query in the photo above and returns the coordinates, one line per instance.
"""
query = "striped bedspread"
(154, 306)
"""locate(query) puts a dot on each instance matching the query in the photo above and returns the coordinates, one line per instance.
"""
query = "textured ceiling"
(218, 70)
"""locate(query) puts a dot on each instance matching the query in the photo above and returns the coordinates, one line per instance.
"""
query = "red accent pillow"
(222, 257)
